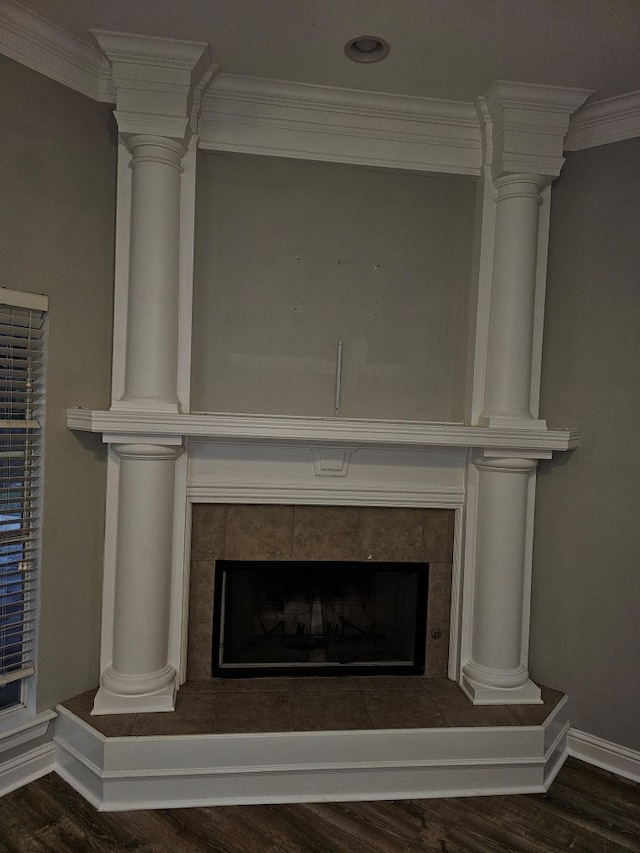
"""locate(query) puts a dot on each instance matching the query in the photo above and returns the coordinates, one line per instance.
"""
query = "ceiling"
(451, 49)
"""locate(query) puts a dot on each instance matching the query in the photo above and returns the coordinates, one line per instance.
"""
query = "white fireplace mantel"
(163, 457)
(352, 432)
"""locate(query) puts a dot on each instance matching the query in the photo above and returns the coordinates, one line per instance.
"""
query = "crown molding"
(254, 115)
(602, 122)
(525, 126)
(46, 48)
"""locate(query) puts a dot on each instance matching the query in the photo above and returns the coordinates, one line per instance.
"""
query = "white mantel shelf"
(302, 430)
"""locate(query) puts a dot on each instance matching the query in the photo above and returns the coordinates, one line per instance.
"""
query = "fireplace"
(405, 552)
(319, 618)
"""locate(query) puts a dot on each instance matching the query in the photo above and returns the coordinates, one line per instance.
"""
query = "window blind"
(22, 343)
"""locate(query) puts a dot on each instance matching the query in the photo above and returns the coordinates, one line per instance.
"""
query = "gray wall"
(585, 635)
(294, 256)
(56, 237)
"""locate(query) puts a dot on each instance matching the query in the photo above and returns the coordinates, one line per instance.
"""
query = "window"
(22, 342)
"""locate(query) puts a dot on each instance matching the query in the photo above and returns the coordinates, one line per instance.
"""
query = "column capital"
(158, 82)
(506, 464)
(524, 126)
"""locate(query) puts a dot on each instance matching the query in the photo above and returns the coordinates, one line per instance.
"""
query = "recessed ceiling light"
(366, 49)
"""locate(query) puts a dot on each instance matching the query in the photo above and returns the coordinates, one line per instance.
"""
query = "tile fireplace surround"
(169, 465)
(253, 532)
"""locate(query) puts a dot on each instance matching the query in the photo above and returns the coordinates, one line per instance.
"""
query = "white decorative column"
(142, 583)
(497, 671)
(157, 83)
(152, 310)
(523, 133)
(509, 356)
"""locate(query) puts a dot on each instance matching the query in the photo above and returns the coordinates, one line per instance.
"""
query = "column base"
(112, 700)
(146, 404)
(498, 421)
(511, 422)
(482, 694)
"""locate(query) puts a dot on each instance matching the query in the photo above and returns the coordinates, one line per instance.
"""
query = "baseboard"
(27, 750)
(603, 753)
(289, 767)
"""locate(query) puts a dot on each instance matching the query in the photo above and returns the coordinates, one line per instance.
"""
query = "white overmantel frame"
(162, 457)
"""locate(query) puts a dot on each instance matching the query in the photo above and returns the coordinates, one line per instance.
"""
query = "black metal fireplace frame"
(416, 667)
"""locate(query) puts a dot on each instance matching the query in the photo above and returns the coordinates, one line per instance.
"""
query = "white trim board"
(46, 48)
(186, 771)
(603, 122)
(605, 754)
(20, 729)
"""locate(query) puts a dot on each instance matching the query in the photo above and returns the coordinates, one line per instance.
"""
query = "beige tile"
(329, 710)
(391, 533)
(194, 714)
(325, 683)
(439, 596)
(438, 535)
(437, 654)
(535, 715)
(199, 651)
(391, 682)
(438, 618)
(251, 685)
(402, 709)
(458, 710)
(326, 533)
(259, 532)
(253, 711)
(201, 580)
(203, 685)
(109, 725)
(208, 524)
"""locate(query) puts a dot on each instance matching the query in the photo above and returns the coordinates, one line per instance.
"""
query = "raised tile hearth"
(233, 706)
(310, 740)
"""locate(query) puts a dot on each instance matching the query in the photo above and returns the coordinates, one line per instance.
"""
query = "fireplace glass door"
(319, 617)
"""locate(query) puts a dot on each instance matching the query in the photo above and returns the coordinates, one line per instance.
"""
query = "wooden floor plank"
(587, 810)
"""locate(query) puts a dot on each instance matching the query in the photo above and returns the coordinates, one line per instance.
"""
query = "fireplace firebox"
(319, 618)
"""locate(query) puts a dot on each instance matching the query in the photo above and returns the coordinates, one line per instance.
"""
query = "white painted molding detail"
(46, 48)
(244, 106)
(27, 767)
(322, 123)
(528, 124)
(163, 772)
(276, 429)
(20, 729)
(330, 461)
(603, 753)
(156, 81)
(603, 122)
(201, 490)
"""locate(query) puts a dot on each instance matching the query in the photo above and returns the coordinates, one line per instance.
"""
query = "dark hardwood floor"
(587, 810)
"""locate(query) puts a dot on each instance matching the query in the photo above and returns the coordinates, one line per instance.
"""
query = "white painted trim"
(304, 121)
(23, 299)
(273, 429)
(603, 753)
(121, 272)
(167, 772)
(603, 122)
(48, 49)
(27, 767)
(19, 729)
(201, 490)
(259, 115)
(455, 609)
